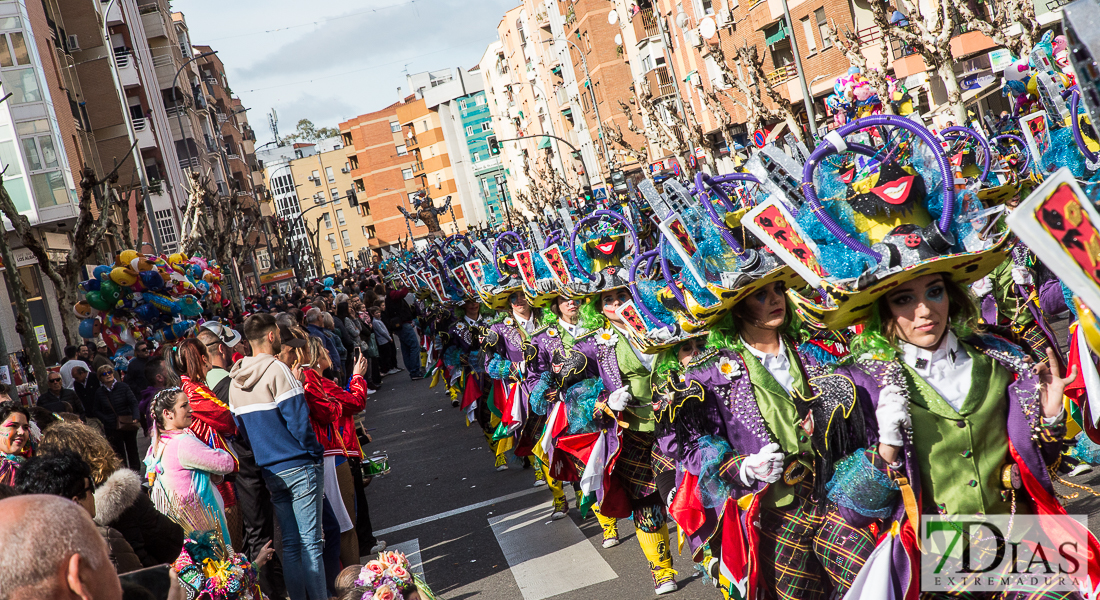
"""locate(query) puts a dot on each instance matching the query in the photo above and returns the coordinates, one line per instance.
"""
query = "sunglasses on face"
(106, 374)
(55, 380)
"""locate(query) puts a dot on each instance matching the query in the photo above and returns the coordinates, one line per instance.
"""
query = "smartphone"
(144, 584)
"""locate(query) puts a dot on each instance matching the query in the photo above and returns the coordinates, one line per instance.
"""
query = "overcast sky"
(331, 60)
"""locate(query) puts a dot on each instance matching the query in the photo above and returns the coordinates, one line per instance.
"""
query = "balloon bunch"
(854, 97)
(1021, 78)
(147, 297)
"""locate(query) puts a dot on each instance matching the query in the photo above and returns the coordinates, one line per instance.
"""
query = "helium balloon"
(141, 264)
(101, 272)
(189, 306)
(110, 290)
(173, 331)
(98, 302)
(82, 309)
(124, 276)
(161, 302)
(146, 312)
(87, 328)
(126, 256)
(90, 285)
(151, 280)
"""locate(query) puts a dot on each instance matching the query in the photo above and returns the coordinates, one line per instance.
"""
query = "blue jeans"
(297, 495)
(410, 349)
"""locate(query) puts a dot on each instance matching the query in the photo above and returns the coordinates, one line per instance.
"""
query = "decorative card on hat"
(773, 224)
(680, 240)
(460, 276)
(556, 261)
(477, 276)
(629, 314)
(525, 263)
(1034, 127)
(437, 287)
(1060, 225)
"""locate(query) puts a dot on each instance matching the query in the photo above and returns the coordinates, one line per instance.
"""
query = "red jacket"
(212, 423)
(335, 431)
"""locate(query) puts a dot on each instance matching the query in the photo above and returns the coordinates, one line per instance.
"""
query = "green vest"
(961, 453)
(637, 377)
(781, 417)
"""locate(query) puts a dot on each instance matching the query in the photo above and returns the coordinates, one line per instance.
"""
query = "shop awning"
(545, 143)
(567, 111)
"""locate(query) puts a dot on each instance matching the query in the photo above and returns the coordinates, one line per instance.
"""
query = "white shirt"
(777, 364)
(470, 321)
(947, 369)
(647, 360)
(67, 371)
(572, 329)
(527, 325)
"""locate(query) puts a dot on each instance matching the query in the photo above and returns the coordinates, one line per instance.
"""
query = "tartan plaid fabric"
(808, 550)
(662, 463)
(634, 467)
(1035, 341)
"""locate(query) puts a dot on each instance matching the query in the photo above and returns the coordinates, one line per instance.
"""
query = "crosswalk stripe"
(458, 511)
(411, 550)
(547, 557)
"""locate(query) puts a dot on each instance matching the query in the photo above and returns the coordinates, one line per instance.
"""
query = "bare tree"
(547, 184)
(217, 227)
(1003, 16)
(762, 103)
(850, 45)
(928, 34)
(87, 235)
(24, 326)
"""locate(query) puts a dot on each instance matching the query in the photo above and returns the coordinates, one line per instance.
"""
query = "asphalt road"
(474, 532)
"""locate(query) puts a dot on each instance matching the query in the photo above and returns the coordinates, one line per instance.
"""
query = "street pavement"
(474, 532)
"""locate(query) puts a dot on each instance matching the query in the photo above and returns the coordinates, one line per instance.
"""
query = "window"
(438, 181)
(340, 216)
(477, 156)
(22, 84)
(370, 231)
(332, 241)
(479, 101)
(265, 262)
(823, 28)
(344, 236)
(49, 189)
(335, 195)
(351, 258)
(406, 174)
(328, 221)
(402, 150)
(395, 127)
(328, 173)
(808, 31)
(365, 234)
(167, 229)
(39, 152)
(336, 265)
(316, 177)
(17, 54)
(469, 130)
(486, 126)
(412, 198)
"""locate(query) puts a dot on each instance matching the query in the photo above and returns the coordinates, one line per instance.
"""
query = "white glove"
(892, 414)
(618, 399)
(766, 465)
(982, 287)
(1021, 276)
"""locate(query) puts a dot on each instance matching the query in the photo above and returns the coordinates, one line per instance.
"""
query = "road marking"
(411, 550)
(547, 557)
(458, 511)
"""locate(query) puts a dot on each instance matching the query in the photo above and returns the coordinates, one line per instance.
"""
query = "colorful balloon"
(124, 276)
(87, 328)
(98, 302)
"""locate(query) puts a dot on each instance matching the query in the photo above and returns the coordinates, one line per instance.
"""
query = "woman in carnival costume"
(937, 443)
(15, 439)
(604, 383)
(749, 427)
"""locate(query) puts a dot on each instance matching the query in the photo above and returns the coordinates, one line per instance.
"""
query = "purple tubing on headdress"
(981, 142)
(702, 179)
(1023, 146)
(496, 248)
(553, 238)
(1074, 100)
(667, 272)
(632, 285)
(595, 216)
(826, 148)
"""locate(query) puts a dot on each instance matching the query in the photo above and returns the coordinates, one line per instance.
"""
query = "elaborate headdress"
(502, 278)
(910, 227)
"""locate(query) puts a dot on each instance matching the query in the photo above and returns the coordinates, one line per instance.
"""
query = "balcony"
(144, 132)
(781, 75)
(970, 43)
(645, 25)
(660, 82)
(190, 163)
(543, 20)
(153, 20)
(127, 70)
(418, 168)
(561, 97)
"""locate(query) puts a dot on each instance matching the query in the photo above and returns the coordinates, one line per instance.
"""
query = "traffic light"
(618, 181)
(494, 146)
(353, 200)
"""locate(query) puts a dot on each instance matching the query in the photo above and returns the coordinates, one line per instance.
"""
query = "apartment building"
(335, 222)
(476, 121)
(291, 238)
(382, 170)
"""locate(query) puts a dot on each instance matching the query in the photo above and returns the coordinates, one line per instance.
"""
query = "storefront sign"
(23, 257)
(40, 334)
(1000, 59)
(275, 276)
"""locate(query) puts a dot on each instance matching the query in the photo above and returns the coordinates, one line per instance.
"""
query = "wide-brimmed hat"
(914, 229)
(502, 277)
(605, 249)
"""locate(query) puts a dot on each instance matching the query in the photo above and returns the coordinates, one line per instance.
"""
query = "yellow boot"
(656, 549)
(610, 527)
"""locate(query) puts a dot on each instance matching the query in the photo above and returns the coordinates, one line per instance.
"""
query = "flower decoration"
(728, 368)
(552, 332)
(388, 578)
(606, 337)
(509, 321)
